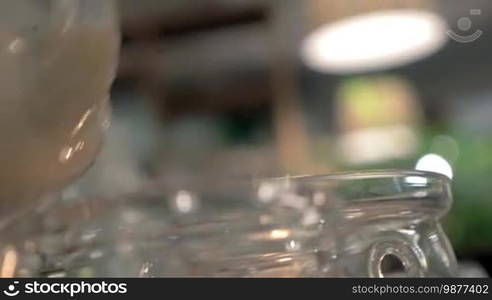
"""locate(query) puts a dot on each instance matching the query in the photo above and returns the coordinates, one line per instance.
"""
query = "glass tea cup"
(362, 224)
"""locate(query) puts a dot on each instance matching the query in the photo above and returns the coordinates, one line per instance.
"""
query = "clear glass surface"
(363, 224)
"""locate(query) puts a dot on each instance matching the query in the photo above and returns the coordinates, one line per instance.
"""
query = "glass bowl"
(361, 224)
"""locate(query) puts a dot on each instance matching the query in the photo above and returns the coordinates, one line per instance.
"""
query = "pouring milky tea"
(57, 62)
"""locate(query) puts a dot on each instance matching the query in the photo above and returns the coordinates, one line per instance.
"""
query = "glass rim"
(428, 190)
(364, 174)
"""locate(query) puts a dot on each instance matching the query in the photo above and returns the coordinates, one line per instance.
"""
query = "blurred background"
(251, 88)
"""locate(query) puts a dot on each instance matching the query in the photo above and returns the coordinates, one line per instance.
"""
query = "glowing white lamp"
(374, 41)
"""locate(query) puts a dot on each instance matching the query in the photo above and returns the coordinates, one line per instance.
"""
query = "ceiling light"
(374, 41)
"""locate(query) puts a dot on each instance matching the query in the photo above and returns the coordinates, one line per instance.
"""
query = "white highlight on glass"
(374, 41)
(435, 163)
(185, 201)
(279, 234)
(266, 192)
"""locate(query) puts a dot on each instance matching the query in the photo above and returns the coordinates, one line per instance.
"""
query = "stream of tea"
(54, 100)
